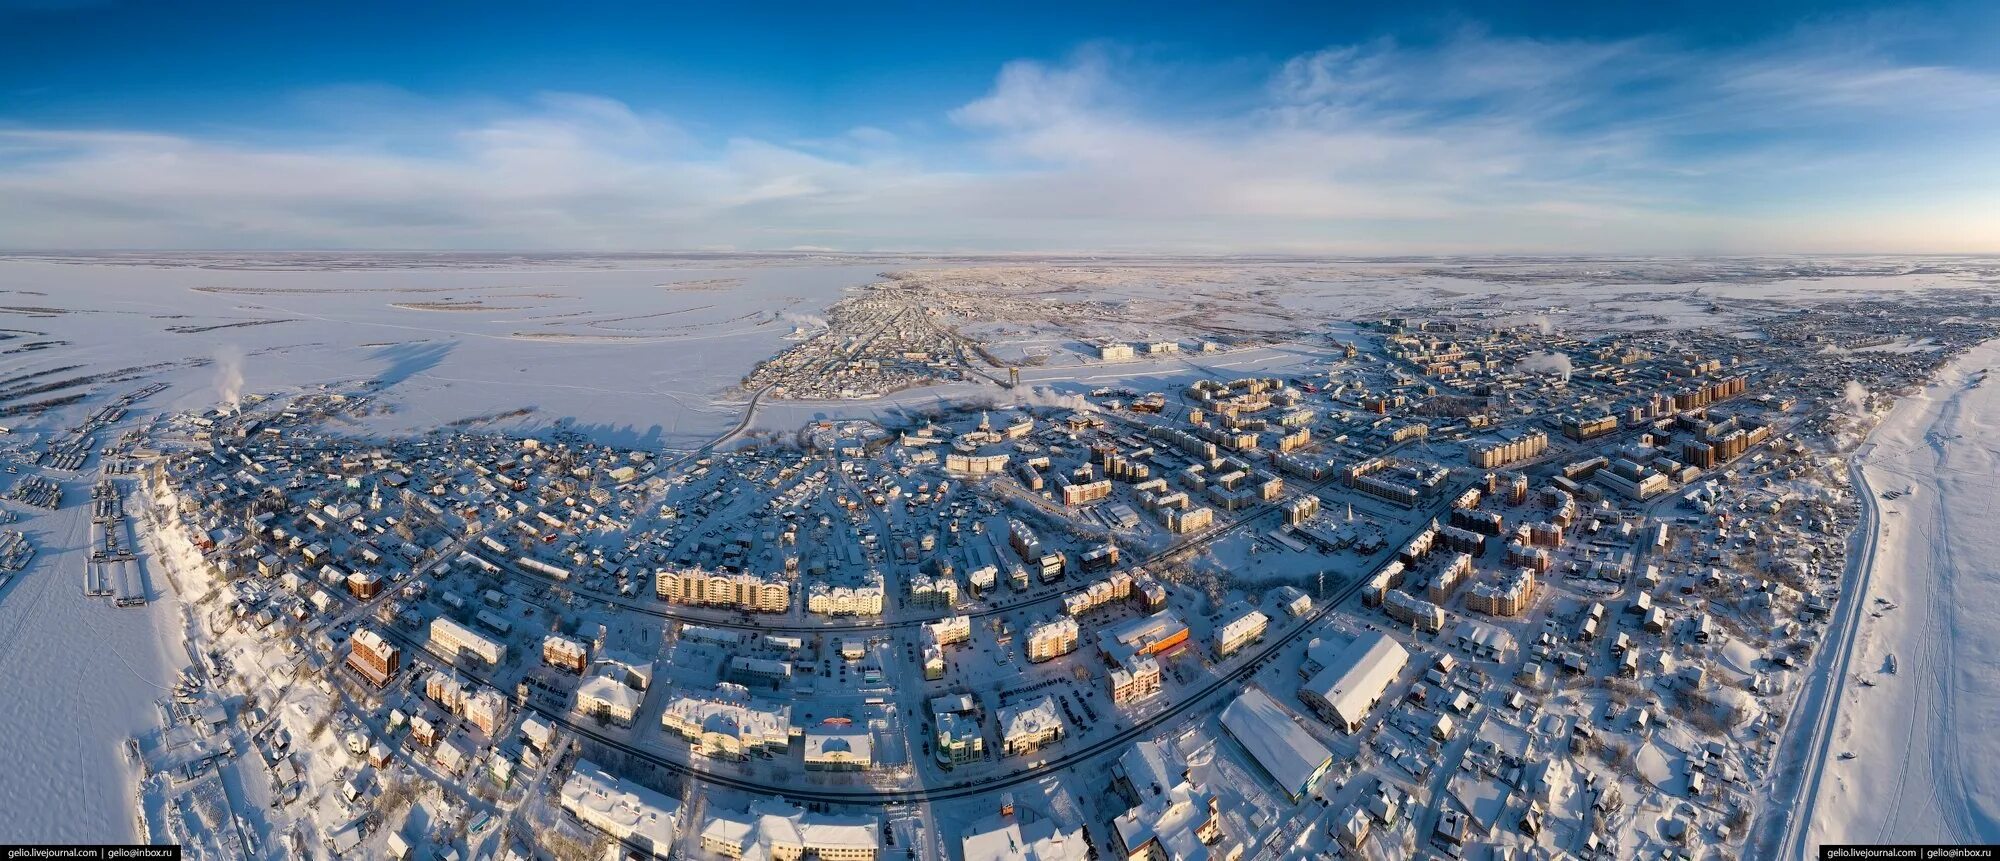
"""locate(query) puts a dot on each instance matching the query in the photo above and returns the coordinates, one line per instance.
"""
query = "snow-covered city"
(1445, 430)
(345, 556)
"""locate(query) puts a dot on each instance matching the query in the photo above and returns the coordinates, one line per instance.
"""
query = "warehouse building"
(1277, 744)
(1352, 683)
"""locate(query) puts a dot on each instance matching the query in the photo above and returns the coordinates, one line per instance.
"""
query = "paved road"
(749, 414)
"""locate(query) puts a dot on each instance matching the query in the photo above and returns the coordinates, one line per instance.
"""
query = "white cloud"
(1476, 143)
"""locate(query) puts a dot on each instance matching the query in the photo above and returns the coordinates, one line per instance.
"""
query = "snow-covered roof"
(774, 824)
(1354, 680)
(1030, 718)
(1275, 739)
(1007, 838)
(730, 718)
(609, 692)
(831, 742)
(619, 807)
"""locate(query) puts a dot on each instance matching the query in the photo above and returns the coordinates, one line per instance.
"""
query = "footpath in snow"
(1923, 682)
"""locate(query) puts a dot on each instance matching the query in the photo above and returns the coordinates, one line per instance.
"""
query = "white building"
(828, 600)
(1005, 837)
(1173, 818)
(945, 632)
(1052, 639)
(486, 708)
(632, 814)
(1354, 681)
(773, 830)
(1481, 640)
(839, 747)
(451, 638)
(1241, 626)
(727, 725)
(1027, 726)
(1276, 742)
(602, 696)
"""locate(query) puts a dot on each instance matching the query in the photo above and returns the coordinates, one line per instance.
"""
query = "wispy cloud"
(1474, 142)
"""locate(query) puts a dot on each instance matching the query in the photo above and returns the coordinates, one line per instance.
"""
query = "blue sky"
(1196, 128)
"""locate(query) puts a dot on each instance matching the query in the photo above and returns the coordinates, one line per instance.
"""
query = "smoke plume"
(1856, 396)
(1553, 362)
(229, 377)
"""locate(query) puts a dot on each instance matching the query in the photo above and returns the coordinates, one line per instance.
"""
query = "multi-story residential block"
(453, 639)
(933, 590)
(565, 653)
(446, 689)
(1508, 596)
(726, 725)
(1135, 683)
(486, 708)
(946, 632)
(632, 814)
(1493, 454)
(959, 737)
(1052, 639)
(717, 589)
(771, 830)
(1240, 626)
(828, 600)
(374, 658)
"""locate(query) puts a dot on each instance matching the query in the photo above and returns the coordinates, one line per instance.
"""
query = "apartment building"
(746, 591)
(373, 657)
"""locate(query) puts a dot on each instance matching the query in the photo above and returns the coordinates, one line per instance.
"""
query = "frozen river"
(1922, 735)
(79, 676)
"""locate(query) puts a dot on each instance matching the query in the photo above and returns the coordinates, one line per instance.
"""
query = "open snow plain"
(637, 351)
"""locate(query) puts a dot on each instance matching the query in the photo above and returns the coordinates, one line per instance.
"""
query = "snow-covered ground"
(1923, 682)
(637, 354)
(80, 676)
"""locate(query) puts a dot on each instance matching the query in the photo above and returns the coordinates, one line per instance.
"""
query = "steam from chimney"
(1856, 396)
(1553, 362)
(229, 377)
(1043, 396)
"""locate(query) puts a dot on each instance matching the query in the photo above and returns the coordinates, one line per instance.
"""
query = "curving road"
(749, 415)
(1823, 700)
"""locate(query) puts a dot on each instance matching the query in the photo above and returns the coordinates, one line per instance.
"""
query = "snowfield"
(1920, 730)
(81, 676)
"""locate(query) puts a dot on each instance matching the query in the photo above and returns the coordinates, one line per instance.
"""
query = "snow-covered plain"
(632, 352)
(1928, 647)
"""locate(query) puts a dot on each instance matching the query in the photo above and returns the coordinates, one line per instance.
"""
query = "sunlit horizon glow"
(1866, 131)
